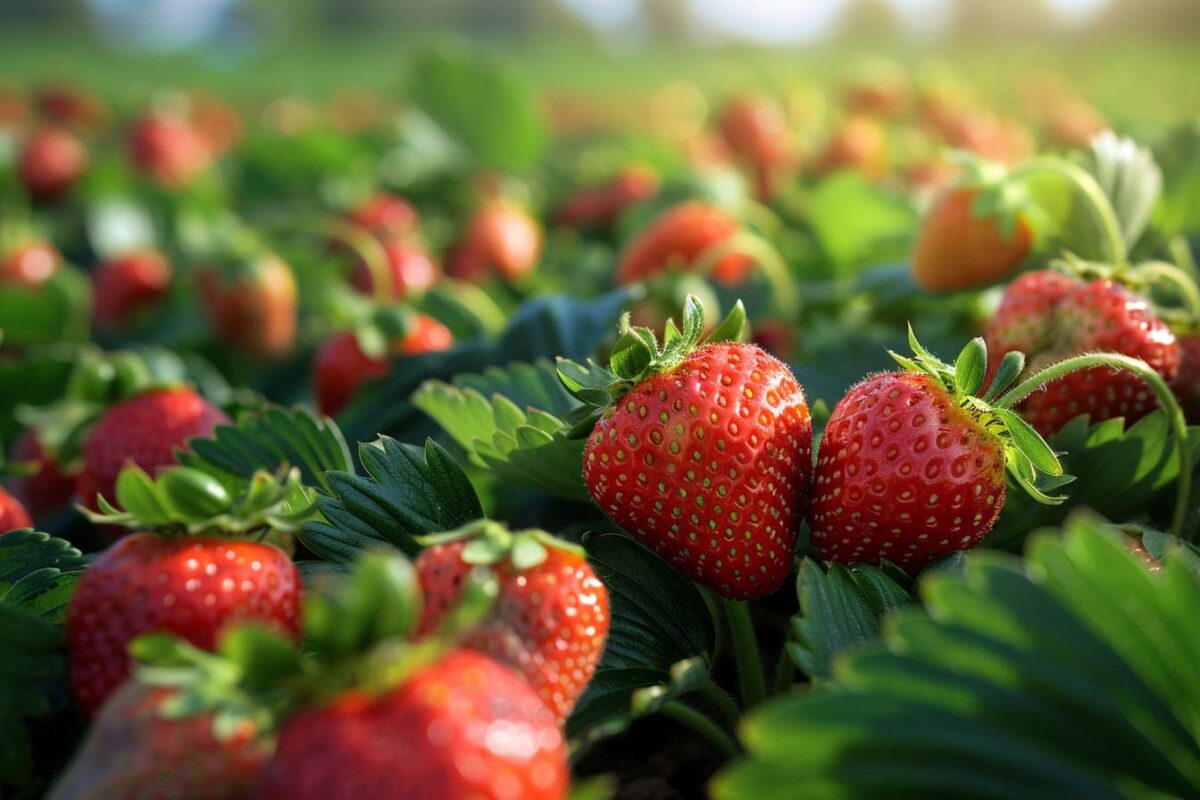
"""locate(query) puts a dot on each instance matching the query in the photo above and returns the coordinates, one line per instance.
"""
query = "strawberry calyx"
(188, 501)
(995, 195)
(1027, 456)
(359, 631)
(1143, 278)
(97, 381)
(637, 355)
(489, 543)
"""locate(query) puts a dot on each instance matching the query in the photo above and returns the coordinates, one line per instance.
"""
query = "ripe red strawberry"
(958, 248)
(12, 514)
(600, 206)
(386, 215)
(1051, 317)
(860, 144)
(50, 163)
(755, 129)
(502, 238)
(48, 489)
(461, 727)
(128, 284)
(217, 123)
(550, 620)
(134, 750)
(144, 430)
(707, 459)
(168, 150)
(71, 106)
(678, 237)
(1186, 384)
(253, 307)
(912, 465)
(188, 586)
(411, 270)
(29, 263)
(341, 366)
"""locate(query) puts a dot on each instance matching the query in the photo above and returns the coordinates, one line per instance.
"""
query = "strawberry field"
(494, 430)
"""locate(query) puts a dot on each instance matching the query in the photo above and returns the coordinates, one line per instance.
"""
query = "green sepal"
(381, 599)
(1011, 366)
(971, 366)
(734, 328)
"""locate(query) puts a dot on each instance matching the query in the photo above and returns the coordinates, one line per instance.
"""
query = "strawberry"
(385, 215)
(1186, 384)
(600, 206)
(754, 129)
(72, 107)
(29, 263)
(51, 161)
(678, 238)
(253, 305)
(144, 430)
(912, 464)
(134, 749)
(885, 93)
(168, 150)
(550, 620)
(12, 514)
(705, 453)
(960, 247)
(411, 271)
(216, 122)
(48, 489)
(1051, 317)
(501, 237)
(189, 586)
(461, 727)
(127, 285)
(341, 366)
(860, 144)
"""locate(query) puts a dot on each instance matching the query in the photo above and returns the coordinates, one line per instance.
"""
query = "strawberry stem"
(1094, 197)
(745, 653)
(364, 245)
(1178, 278)
(1165, 397)
(701, 724)
(783, 291)
(1181, 253)
(785, 671)
(720, 700)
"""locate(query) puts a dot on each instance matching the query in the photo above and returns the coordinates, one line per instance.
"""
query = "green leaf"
(971, 366)
(1120, 473)
(840, 610)
(37, 575)
(858, 223)
(630, 356)
(1072, 678)
(1129, 176)
(380, 600)
(1179, 155)
(529, 448)
(658, 620)
(271, 440)
(408, 492)
(458, 88)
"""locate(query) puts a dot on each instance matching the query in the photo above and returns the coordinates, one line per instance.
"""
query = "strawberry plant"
(463, 439)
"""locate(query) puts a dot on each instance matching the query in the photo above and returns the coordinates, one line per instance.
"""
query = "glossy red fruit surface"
(189, 586)
(710, 465)
(678, 238)
(549, 622)
(904, 474)
(463, 727)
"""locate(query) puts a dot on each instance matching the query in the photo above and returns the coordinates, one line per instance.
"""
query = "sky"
(785, 21)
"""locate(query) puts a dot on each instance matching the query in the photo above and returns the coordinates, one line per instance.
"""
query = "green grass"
(1141, 84)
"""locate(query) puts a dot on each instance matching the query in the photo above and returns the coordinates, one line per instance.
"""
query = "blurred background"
(1130, 57)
